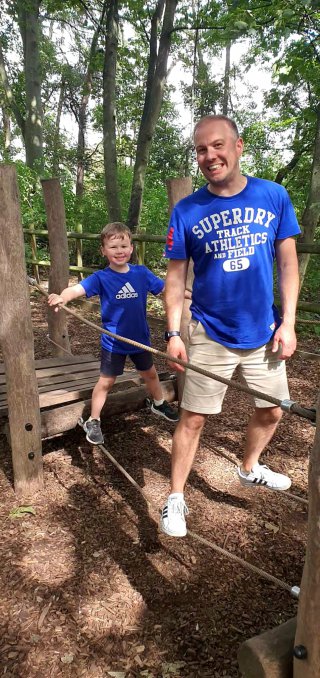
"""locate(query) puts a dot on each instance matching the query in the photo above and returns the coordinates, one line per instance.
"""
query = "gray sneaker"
(93, 431)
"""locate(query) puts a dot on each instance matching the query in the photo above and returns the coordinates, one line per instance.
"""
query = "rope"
(253, 568)
(58, 345)
(288, 406)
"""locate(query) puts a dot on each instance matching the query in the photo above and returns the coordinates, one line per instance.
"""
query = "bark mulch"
(89, 587)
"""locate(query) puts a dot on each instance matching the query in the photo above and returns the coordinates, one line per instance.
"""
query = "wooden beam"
(59, 254)
(16, 338)
(308, 623)
(269, 655)
(65, 418)
(178, 189)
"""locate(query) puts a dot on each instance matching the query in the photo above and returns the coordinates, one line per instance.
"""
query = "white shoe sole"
(94, 443)
(161, 414)
(170, 533)
(246, 483)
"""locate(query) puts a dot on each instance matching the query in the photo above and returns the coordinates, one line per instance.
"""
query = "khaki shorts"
(259, 367)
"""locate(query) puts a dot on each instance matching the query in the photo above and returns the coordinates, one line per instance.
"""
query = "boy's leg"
(111, 366)
(144, 363)
(99, 394)
(152, 382)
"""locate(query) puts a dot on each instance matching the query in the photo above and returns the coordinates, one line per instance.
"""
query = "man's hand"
(55, 300)
(286, 336)
(177, 349)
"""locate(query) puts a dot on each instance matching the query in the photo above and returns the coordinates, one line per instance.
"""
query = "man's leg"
(264, 371)
(261, 428)
(185, 444)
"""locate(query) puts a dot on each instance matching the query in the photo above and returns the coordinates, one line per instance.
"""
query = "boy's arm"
(68, 294)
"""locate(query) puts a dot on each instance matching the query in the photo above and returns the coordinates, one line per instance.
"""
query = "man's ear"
(240, 145)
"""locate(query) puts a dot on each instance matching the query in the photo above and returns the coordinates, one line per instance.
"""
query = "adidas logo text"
(127, 292)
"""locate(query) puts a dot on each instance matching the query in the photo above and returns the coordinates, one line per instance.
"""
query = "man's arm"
(68, 294)
(288, 281)
(174, 299)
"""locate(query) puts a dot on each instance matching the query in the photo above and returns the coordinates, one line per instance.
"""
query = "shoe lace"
(95, 426)
(179, 506)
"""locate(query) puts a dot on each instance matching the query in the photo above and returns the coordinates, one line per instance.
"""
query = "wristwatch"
(171, 333)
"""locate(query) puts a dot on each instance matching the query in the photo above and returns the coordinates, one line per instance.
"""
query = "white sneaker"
(172, 520)
(262, 476)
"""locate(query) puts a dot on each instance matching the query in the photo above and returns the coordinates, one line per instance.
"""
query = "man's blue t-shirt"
(123, 299)
(232, 243)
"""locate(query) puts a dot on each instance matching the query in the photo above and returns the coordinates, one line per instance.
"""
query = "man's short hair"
(214, 117)
(115, 228)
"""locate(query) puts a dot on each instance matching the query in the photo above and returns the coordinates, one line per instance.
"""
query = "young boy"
(123, 290)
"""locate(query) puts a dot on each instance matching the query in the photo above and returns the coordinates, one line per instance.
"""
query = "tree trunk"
(8, 95)
(109, 113)
(152, 107)
(311, 215)
(56, 137)
(28, 17)
(6, 120)
(308, 622)
(226, 83)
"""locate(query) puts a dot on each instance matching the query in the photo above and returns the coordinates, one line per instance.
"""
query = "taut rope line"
(293, 590)
(286, 405)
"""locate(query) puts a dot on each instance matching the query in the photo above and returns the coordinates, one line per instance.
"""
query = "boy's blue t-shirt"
(232, 243)
(123, 298)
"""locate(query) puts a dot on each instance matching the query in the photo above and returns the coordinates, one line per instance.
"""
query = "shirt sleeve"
(91, 285)
(176, 244)
(288, 224)
(155, 284)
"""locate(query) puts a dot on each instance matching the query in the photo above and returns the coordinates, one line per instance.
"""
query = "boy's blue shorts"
(112, 364)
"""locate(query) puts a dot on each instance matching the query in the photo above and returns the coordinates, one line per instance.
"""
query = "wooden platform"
(65, 380)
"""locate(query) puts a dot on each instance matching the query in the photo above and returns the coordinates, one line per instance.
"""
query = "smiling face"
(218, 150)
(117, 249)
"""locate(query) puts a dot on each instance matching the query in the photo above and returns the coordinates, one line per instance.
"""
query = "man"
(232, 229)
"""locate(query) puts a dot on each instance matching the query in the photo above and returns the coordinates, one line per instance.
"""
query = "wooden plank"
(269, 655)
(66, 369)
(66, 391)
(56, 362)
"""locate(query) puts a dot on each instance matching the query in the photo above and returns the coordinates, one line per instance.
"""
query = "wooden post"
(17, 342)
(308, 622)
(270, 654)
(59, 257)
(33, 244)
(141, 248)
(178, 189)
(79, 250)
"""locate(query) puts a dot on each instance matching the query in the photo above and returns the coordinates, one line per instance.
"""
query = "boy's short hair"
(115, 228)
